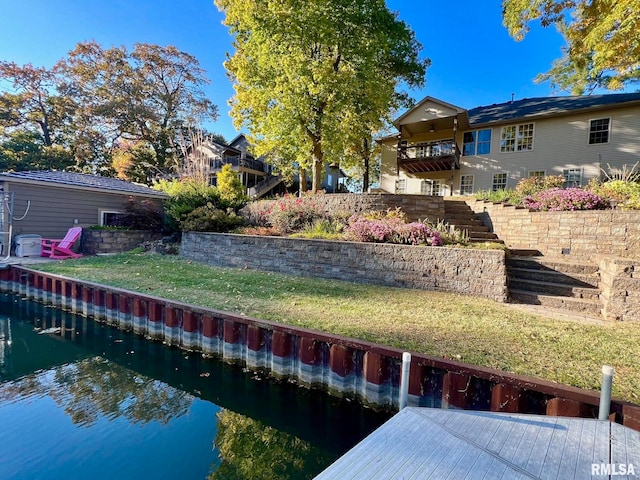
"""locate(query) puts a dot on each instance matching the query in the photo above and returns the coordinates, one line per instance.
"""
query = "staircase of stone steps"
(460, 216)
(554, 284)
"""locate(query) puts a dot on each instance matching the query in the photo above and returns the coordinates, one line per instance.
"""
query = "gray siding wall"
(55, 209)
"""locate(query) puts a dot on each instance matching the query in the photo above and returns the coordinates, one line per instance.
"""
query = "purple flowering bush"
(558, 199)
(390, 229)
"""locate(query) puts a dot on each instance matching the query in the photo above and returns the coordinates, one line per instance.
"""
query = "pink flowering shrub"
(558, 199)
(390, 229)
(292, 216)
(417, 233)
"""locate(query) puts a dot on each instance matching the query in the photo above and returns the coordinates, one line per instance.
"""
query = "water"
(83, 400)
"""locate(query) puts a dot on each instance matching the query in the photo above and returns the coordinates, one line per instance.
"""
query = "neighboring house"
(252, 171)
(60, 200)
(442, 149)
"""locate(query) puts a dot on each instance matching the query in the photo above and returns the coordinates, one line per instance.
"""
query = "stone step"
(486, 240)
(587, 307)
(470, 226)
(545, 263)
(462, 219)
(555, 289)
(459, 211)
(485, 235)
(553, 276)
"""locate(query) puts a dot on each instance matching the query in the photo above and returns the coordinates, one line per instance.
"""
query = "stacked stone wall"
(480, 273)
(114, 241)
(581, 235)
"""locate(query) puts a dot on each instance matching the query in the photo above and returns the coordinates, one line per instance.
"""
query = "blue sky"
(474, 61)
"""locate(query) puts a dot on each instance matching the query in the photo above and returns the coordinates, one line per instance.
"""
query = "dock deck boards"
(430, 443)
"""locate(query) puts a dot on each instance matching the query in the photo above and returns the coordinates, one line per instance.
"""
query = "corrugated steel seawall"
(342, 366)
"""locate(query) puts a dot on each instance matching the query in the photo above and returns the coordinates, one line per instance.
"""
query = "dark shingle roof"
(83, 180)
(545, 106)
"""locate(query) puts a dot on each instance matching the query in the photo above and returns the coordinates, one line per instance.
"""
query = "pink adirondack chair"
(61, 249)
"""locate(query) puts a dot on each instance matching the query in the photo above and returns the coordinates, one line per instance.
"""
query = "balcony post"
(453, 163)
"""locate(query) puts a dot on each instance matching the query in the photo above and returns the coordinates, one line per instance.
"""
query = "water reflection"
(251, 450)
(146, 408)
(94, 387)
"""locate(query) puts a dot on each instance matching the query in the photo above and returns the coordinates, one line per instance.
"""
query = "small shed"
(60, 200)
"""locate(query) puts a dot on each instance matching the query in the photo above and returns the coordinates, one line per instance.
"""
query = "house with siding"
(215, 154)
(443, 149)
(55, 201)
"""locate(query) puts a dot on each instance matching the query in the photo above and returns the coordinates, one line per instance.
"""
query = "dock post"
(404, 380)
(605, 393)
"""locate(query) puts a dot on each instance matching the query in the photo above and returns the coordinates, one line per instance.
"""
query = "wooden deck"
(428, 443)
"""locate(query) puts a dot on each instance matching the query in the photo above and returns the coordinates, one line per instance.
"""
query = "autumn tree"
(145, 96)
(603, 40)
(33, 119)
(310, 77)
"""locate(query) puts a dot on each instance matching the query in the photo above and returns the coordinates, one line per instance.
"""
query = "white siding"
(559, 143)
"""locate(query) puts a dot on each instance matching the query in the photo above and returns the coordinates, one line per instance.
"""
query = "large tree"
(603, 40)
(33, 119)
(313, 77)
(145, 96)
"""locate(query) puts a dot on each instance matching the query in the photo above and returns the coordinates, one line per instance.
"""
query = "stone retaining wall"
(582, 235)
(114, 241)
(416, 207)
(620, 288)
(471, 272)
(342, 366)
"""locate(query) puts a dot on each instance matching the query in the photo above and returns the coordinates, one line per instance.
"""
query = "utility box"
(28, 245)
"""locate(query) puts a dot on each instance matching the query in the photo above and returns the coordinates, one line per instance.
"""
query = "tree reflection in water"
(251, 450)
(95, 387)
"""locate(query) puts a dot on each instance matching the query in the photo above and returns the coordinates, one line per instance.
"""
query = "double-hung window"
(516, 138)
(466, 184)
(499, 181)
(477, 142)
(599, 131)
(572, 177)
(401, 185)
(431, 187)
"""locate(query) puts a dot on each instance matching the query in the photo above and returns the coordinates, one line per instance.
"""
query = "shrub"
(557, 199)
(624, 194)
(142, 215)
(498, 196)
(185, 196)
(323, 228)
(417, 233)
(449, 234)
(532, 185)
(230, 187)
(208, 218)
(390, 227)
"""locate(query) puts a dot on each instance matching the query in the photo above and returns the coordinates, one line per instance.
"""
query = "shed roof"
(82, 180)
(546, 106)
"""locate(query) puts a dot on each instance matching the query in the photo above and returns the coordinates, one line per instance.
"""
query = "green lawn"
(473, 330)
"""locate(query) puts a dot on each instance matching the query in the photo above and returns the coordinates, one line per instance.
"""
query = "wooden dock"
(429, 443)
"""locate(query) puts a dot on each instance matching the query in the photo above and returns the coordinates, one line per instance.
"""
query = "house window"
(401, 185)
(516, 138)
(572, 177)
(431, 187)
(466, 184)
(599, 131)
(477, 142)
(499, 182)
(213, 180)
(537, 173)
(110, 218)
(422, 150)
